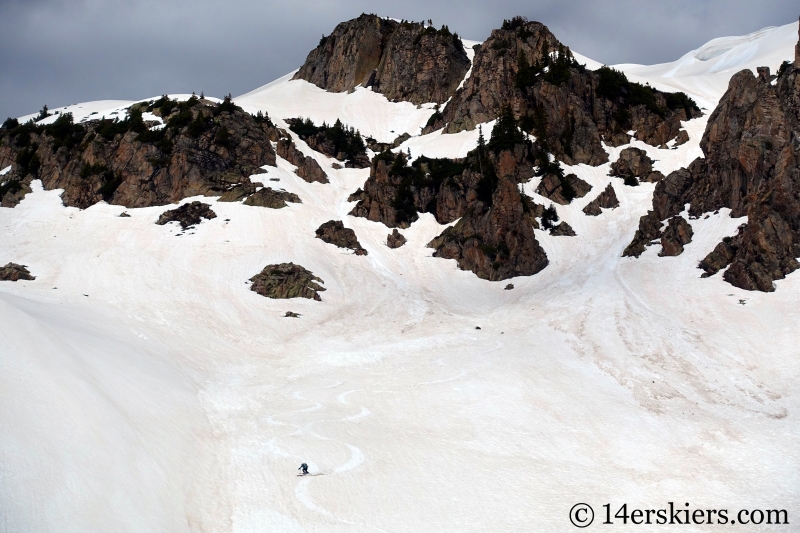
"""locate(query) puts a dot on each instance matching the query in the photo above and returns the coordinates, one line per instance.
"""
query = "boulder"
(287, 280)
(395, 239)
(268, 197)
(15, 272)
(187, 215)
(605, 200)
(677, 234)
(562, 190)
(334, 232)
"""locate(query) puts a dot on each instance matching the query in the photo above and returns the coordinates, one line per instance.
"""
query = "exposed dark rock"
(682, 138)
(509, 287)
(13, 189)
(271, 198)
(202, 150)
(290, 314)
(632, 163)
(240, 191)
(567, 107)
(677, 234)
(287, 280)
(15, 272)
(395, 239)
(187, 215)
(751, 166)
(562, 230)
(562, 190)
(605, 200)
(495, 241)
(401, 60)
(334, 232)
(653, 177)
(307, 167)
(124, 214)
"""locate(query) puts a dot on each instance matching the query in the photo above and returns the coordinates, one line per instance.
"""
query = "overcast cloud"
(61, 52)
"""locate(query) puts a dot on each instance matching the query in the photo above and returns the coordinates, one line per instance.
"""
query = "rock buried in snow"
(287, 280)
(509, 287)
(632, 162)
(15, 272)
(271, 198)
(187, 215)
(605, 200)
(291, 314)
(334, 232)
(395, 239)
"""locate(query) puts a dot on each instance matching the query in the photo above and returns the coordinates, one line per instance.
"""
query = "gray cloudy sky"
(61, 52)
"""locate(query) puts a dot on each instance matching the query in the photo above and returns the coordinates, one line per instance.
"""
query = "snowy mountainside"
(145, 387)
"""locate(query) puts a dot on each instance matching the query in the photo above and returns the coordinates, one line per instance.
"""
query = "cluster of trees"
(615, 86)
(346, 140)
(553, 68)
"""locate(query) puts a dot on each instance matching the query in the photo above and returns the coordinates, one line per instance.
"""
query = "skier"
(304, 468)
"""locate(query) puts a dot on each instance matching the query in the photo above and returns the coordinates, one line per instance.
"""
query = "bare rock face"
(605, 200)
(395, 239)
(187, 215)
(287, 280)
(562, 190)
(15, 272)
(495, 241)
(307, 167)
(271, 198)
(334, 232)
(568, 108)
(405, 61)
(677, 234)
(751, 165)
(204, 149)
(632, 162)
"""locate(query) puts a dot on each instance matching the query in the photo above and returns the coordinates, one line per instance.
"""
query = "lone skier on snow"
(304, 468)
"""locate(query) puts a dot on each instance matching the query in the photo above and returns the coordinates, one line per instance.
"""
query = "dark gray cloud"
(60, 52)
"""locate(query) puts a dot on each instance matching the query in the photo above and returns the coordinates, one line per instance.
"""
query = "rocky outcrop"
(404, 61)
(203, 149)
(395, 239)
(15, 272)
(562, 190)
(240, 191)
(307, 167)
(568, 108)
(187, 215)
(495, 241)
(605, 200)
(287, 280)
(562, 230)
(677, 234)
(334, 232)
(752, 167)
(634, 163)
(338, 141)
(271, 198)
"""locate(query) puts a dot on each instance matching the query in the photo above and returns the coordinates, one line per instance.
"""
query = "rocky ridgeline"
(567, 107)
(203, 149)
(752, 167)
(404, 61)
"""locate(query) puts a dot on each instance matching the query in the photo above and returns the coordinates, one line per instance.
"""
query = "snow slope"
(144, 387)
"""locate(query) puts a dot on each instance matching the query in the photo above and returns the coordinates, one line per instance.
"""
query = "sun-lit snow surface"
(704, 73)
(144, 387)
